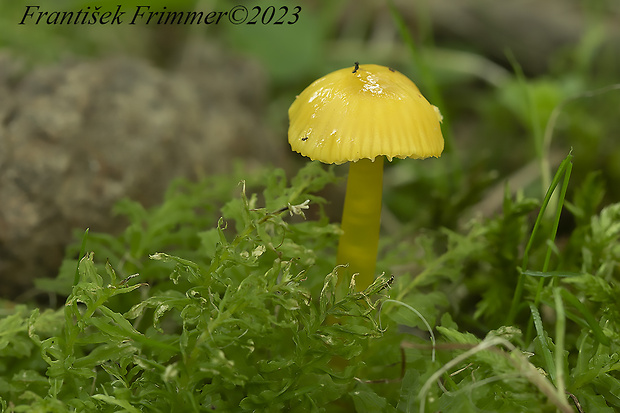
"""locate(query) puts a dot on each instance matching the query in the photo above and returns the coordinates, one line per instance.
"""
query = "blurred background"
(94, 113)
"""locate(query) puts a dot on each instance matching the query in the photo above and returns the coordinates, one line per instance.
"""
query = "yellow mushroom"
(361, 114)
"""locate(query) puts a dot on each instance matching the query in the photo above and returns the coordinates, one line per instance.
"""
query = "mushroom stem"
(361, 218)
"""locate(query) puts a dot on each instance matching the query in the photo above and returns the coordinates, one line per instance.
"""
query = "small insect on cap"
(363, 112)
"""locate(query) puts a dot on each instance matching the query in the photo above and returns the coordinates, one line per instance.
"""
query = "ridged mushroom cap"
(364, 112)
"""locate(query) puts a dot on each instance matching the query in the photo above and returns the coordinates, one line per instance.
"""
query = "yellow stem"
(361, 219)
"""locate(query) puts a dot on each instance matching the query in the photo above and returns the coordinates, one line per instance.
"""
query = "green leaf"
(367, 401)
(116, 402)
(328, 293)
(591, 401)
(608, 386)
(13, 340)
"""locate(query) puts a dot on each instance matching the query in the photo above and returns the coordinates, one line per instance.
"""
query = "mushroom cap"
(350, 114)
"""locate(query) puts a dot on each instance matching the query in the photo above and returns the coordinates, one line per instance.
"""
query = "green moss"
(211, 302)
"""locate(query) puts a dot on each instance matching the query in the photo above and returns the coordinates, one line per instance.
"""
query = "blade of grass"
(560, 329)
(554, 280)
(563, 171)
(549, 274)
(554, 232)
(546, 352)
(534, 119)
(558, 213)
(587, 315)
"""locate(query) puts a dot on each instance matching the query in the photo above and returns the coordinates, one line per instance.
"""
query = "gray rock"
(78, 136)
